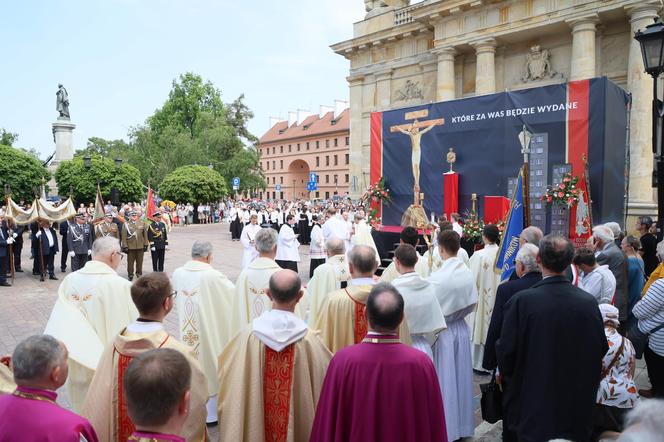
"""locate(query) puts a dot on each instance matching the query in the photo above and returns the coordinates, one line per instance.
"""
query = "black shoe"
(130, 277)
(41, 278)
(5, 284)
(63, 269)
(18, 270)
(53, 277)
(211, 424)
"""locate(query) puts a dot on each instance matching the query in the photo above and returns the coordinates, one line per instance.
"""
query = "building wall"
(462, 48)
(288, 162)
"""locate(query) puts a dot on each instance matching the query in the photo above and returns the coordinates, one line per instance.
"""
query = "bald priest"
(271, 374)
(342, 319)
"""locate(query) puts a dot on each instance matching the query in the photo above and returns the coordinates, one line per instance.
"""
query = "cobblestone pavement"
(25, 307)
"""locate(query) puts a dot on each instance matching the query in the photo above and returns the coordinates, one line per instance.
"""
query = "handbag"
(492, 400)
(639, 339)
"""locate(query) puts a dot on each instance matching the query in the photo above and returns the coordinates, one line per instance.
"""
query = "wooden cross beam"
(418, 124)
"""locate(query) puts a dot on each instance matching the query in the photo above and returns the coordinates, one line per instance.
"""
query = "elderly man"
(158, 385)
(552, 331)
(271, 374)
(250, 300)
(596, 279)
(328, 277)
(205, 307)
(134, 243)
(342, 319)
(530, 235)
(380, 390)
(106, 405)
(423, 314)
(47, 248)
(93, 305)
(528, 273)
(31, 414)
(606, 252)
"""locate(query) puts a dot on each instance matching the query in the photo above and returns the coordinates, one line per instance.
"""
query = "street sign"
(236, 181)
(277, 187)
(236, 187)
(313, 178)
(312, 185)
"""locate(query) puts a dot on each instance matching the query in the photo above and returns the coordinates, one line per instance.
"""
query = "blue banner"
(514, 224)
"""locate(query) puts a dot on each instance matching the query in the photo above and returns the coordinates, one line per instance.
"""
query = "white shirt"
(600, 283)
(48, 234)
(287, 245)
(335, 228)
(457, 228)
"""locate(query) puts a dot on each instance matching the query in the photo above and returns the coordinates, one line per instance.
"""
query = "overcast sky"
(117, 59)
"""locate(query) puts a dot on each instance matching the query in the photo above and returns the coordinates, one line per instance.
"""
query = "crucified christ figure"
(415, 133)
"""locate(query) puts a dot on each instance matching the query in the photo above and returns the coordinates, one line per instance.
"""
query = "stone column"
(63, 136)
(356, 83)
(485, 73)
(641, 193)
(445, 85)
(583, 47)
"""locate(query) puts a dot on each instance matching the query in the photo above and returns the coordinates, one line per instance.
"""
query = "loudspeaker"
(115, 197)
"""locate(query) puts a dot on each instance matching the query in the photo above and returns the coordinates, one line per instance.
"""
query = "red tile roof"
(314, 127)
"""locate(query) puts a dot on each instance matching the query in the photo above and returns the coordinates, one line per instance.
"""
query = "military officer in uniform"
(134, 244)
(79, 242)
(158, 238)
(107, 227)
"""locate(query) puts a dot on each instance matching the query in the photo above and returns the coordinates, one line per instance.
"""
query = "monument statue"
(62, 101)
(370, 5)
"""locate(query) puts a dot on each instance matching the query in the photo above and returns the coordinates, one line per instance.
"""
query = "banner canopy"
(40, 210)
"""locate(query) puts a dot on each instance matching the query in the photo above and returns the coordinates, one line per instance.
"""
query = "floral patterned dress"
(617, 388)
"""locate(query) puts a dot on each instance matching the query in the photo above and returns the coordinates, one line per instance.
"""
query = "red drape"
(495, 208)
(451, 193)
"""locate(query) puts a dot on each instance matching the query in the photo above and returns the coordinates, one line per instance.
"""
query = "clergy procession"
(356, 353)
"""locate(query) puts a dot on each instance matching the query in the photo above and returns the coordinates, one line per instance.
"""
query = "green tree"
(7, 138)
(189, 97)
(193, 184)
(22, 172)
(110, 149)
(244, 164)
(83, 182)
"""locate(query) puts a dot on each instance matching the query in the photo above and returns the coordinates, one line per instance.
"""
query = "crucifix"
(415, 130)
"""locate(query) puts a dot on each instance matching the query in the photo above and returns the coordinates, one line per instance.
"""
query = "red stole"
(124, 424)
(277, 382)
(360, 320)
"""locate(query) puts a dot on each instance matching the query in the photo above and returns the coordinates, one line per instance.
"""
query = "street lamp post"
(118, 162)
(652, 49)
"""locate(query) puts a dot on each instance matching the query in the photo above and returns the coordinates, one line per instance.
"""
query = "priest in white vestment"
(482, 264)
(250, 300)
(410, 236)
(433, 257)
(247, 238)
(335, 227)
(361, 235)
(457, 295)
(205, 306)
(104, 406)
(288, 253)
(421, 308)
(93, 305)
(328, 277)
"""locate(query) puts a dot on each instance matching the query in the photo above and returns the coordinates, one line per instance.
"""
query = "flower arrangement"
(376, 193)
(567, 192)
(473, 228)
(373, 219)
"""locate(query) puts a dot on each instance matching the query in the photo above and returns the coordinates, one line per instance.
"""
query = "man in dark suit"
(551, 347)
(158, 239)
(16, 232)
(5, 241)
(606, 252)
(49, 248)
(64, 228)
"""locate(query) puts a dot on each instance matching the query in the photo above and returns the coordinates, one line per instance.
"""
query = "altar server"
(288, 254)
(457, 295)
(247, 238)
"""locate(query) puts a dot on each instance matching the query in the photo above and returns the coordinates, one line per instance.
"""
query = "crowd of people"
(268, 358)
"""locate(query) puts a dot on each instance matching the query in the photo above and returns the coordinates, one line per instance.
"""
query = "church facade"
(404, 55)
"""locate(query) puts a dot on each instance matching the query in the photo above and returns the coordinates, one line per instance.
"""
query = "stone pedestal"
(63, 135)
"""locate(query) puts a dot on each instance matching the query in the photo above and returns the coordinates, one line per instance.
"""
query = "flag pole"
(524, 138)
(586, 174)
